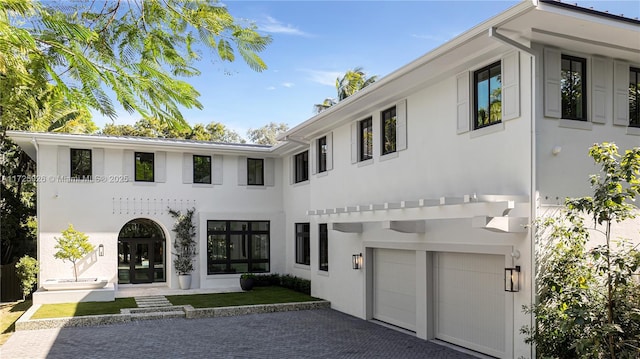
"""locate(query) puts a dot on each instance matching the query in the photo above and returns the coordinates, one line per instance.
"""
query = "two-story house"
(409, 203)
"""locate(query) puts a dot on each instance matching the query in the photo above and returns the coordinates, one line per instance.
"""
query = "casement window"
(488, 96)
(144, 167)
(80, 164)
(573, 87)
(301, 167)
(322, 154)
(323, 250)
(303, 248)
(388, 126)
(255, 171)
(237, 246)
(365, 137)
(634, 97)
(201, 169)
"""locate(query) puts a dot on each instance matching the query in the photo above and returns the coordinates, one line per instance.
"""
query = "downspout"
(533, 196)
(37, 147)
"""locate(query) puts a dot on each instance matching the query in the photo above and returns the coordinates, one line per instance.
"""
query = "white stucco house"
(430, 177)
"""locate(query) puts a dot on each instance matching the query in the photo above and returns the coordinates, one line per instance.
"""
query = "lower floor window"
(237, 246)
(323, 251)
(303, 250)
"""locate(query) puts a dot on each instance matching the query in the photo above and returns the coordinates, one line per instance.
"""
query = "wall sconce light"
(356, 261)
(512, 279)
(101, 250)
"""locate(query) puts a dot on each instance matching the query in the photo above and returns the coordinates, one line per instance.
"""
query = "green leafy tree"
(267, 134)
(214, 131)
(588, 303)
(348, 84)
(184, 245)
(72, 247)
(27, 270)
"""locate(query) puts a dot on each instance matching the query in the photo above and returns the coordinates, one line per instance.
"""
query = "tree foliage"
(267, 134)
(27, 271)
(214, 131)
(138, 51)
(348, 84)
(72, 247)
(588, 301)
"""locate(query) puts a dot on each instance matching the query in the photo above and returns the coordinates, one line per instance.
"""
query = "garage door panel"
(470, 301)
(394, 293)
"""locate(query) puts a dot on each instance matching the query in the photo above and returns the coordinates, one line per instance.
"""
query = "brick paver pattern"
(321, 333)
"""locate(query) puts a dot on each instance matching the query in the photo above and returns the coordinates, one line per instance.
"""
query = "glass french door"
(140, 260)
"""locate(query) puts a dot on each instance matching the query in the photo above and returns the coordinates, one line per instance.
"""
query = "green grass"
(259, 295)
(9, 314)
(84, 308)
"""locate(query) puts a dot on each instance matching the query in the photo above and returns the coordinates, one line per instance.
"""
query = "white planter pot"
(185, 281)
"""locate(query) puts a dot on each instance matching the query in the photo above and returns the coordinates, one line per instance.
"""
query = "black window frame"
(476, 100)
(303, 243)
(570, 105)
(388, 145)
(301, 167)
(365, 139)
(251, 167)
(247, 241)
(634, 95)
(197, 174)
(76, 172)
(322, 154)
(323, 247)
(137, 158)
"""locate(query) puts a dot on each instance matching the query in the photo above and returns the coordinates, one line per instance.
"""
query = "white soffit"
(349, 227)
(501, 224)
(408, 226)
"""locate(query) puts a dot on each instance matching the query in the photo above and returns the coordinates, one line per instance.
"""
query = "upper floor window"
(388, 119)
(255, 171)
(365, 131)
(201, 169)
(488, 96)
(323, 250)
(303, 248)
(634, 97)
(80, 163)
(322, 154)
(301, 161)
(573, 87)
(144, 166)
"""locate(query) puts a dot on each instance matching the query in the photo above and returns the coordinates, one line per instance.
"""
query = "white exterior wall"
(102, 209)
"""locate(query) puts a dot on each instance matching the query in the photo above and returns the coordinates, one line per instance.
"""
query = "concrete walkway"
(322, 333)
(154, 301)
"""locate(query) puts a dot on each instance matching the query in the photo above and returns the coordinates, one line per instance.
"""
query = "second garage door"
(394, 287)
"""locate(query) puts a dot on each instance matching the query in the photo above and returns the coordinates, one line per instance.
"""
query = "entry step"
(154, 301)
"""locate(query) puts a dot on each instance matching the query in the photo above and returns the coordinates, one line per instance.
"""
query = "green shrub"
(27, 271)
(286, 281)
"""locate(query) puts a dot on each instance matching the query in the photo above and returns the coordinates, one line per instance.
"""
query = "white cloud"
(327, 78)
(274, 26)
(271, 88)
(288, 84)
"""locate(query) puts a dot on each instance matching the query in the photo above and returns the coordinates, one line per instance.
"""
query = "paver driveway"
(321, 333)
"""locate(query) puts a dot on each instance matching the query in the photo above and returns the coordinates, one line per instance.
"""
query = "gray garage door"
(394, 292)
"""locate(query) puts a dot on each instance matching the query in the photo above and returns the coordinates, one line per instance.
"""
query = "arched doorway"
(141, 254)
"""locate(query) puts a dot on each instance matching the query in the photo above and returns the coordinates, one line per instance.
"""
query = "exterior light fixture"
(512, 279)
(101, 250)
(356, 261)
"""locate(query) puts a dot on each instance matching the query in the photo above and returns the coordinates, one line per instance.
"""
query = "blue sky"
(316, 41)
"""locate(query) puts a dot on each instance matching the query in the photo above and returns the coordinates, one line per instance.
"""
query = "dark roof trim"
(575, 7)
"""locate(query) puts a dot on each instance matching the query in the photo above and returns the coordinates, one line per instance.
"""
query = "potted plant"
(247, 280)
(184, 246)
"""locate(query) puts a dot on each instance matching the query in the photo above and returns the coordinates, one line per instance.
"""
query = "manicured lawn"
(259, 295)
(9, 313)
(84, 308)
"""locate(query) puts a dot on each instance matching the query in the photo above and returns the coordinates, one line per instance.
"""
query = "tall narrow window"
(388, 119)
(255, 171)
(488, 96)
(144, 166)
(323, 250)
(201, 169)
(80, 164)
(573, 88)
(301, 166)
(303, 250)
(366, 139)
(634, 97)
(322, 154)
